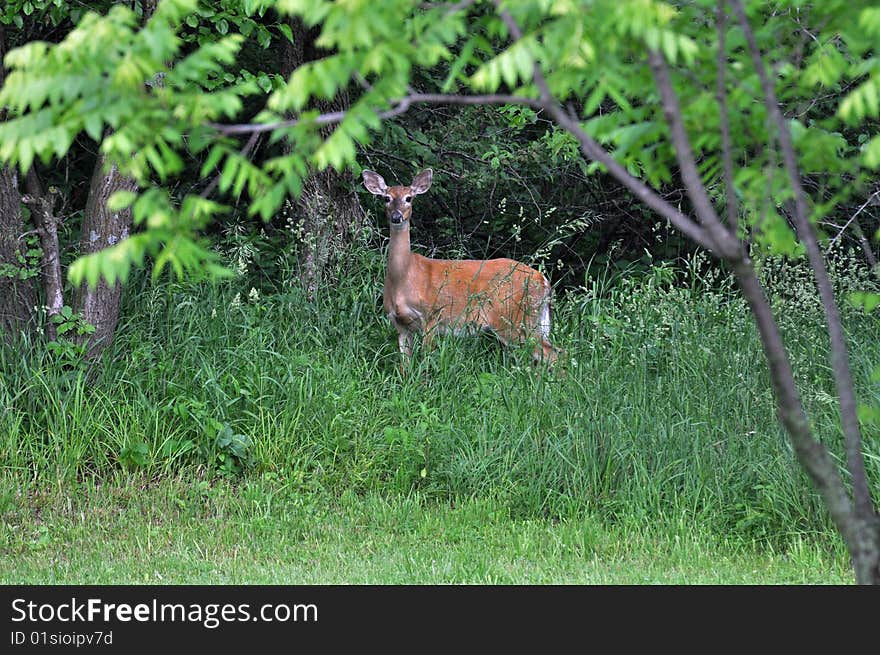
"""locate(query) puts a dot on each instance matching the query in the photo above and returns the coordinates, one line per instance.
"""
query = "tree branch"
(730, 204)
(866, 248)
(852, 218)
(244, 152)
(726, 245)
(839, 355)
(402, 105)
(812, 455)
(589, 147)
(593, 151)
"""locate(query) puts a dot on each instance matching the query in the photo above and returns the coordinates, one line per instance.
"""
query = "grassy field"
(178, 532)
(244, 437)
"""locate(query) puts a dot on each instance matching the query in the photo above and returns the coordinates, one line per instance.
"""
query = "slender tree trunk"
(42, 206)
(864, 543)
(17, 292)
(330, 212)
(861, 533)
(854, 517)
(102, 228)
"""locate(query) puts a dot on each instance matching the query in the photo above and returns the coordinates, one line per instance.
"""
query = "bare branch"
(839, 355)
(852, 218)
(589, 147)
(593, 151)
(866, 248)
(812, 455)
(244, 152)
(451, 9)
(402, 105)
(726, 245)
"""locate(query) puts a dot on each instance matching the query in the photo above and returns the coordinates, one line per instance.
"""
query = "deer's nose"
(397, 216)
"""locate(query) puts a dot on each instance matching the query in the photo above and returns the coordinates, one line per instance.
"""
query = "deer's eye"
(388, 199)
(408, 199)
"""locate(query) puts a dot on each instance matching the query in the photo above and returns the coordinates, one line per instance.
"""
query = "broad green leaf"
(120, 200)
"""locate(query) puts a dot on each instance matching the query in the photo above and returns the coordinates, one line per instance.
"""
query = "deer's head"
(398, 199)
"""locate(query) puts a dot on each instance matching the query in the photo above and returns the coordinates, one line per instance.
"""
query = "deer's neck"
(399, 256)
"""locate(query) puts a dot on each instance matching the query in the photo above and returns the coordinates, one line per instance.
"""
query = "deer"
(460, 296)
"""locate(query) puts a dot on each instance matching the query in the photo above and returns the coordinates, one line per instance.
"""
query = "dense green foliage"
(148, 95)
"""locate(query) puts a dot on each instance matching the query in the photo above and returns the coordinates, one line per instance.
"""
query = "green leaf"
(120, 200)
(865, 300)
(514, 64)
(213, 159)
(284, 28)
(871, 153)
(863, 102)
(868, 414)
(594, 99)
(94, 125)
(827, 65)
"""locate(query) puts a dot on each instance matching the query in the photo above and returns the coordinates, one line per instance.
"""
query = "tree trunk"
(863, 539)
(17, 293)
(102, 228)
(42, 204)
(329, 210)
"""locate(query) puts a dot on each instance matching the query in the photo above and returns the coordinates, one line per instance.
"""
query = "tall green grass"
(663, 413)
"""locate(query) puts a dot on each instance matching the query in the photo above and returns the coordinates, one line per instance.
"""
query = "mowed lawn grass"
(199, 533)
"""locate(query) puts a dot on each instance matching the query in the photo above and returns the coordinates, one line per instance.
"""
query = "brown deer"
(438, 296)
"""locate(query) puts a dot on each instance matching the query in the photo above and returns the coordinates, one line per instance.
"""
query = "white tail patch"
(544, 321)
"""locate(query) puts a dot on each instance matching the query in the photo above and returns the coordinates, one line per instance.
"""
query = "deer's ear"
(422, 181)
(374, 183)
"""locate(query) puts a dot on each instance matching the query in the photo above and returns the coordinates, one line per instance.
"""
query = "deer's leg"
(431, 330)
(404, 339)
(405, 343)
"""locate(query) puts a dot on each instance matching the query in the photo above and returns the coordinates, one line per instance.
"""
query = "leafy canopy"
(154, 94)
